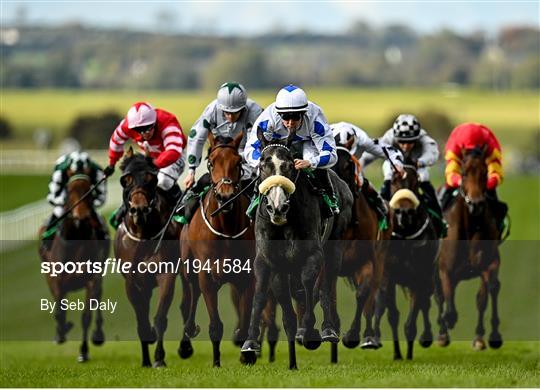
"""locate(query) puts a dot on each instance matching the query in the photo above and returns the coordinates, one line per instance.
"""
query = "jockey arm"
(117, 141)
(198, 136)
(252, 149)
(371, 155)
(430, 151)
(324, 141)
(56, 195)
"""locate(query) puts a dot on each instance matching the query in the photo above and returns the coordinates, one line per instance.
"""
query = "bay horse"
(224, 243)
(470, 250)
(363, 256)
(135, 242)
(411, 262)
(289, 235)
(81, 236)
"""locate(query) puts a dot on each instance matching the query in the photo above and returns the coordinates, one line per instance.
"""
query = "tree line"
(74, 56)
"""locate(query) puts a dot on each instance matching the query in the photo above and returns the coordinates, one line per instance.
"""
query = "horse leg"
(272, 328)
(245, 304)
(262, 277)
(370, 340)
(443, 338)
(494, 286)
(312, 338)
(393, 318)
(426, 338)
(282, 291)
(188, 308)
(380, 307)
(98, 337)
(166, 294)
(140, 300)
(86, 319)
(481, 304)
(215, 328)
(410, 323)
(328, 299)
(449, 313)
(235, 297)
(62, 326)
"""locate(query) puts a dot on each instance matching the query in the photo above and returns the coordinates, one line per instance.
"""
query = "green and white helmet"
(231, 97)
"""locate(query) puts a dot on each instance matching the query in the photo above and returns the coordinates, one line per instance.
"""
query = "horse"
(144, 222)
(289, 235)
(224, 241)
(363, 257)
(411, 261)
(470, 250)
(80, 237)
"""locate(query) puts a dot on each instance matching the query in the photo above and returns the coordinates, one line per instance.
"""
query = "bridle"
(224, 180)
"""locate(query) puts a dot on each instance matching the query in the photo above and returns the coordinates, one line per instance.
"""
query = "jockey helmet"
(476, 135)
(78, 161)
(406, 128)
(291, 99)
(231, 97)
(141, 114)
(342, 132)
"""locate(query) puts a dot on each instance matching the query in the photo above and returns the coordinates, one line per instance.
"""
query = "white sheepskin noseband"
(277, 180)
(404, 194)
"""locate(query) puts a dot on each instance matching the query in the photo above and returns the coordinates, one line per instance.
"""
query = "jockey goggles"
(287, 116)
(144, 129)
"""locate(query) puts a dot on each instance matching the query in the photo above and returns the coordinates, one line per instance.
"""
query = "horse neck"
(70, 231)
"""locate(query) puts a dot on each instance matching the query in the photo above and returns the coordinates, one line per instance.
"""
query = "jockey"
(292, 112)
(356, 142)
(413, 141)
(77, 162)
(228, 115)
(158, 132)
(465, 137)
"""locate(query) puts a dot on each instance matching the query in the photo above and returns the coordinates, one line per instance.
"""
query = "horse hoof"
(312, 339)
(147, 364)
(159, 364)
(479, 344)
(185, 350)
(351, 339)
(495, 341)
(83, 357)
(369, 343)
(425, 341)
(450, 319)
(249, 358)
(250, 346)
(98, 337)
(329, 335)
(237, 338)
(443, 340)
(300, 336)
(59, 339)
(192, 333)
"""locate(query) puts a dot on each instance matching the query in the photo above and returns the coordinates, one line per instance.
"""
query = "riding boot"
(374, 200)
(434, 208)
(190, 202)
(385, 190)
(446, 196)
(251, 211)
(48, 231)
(117, 216)
(328, 194)
(500, 209)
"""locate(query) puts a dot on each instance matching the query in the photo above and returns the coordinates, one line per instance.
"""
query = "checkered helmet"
(406, 128)
(231, 97)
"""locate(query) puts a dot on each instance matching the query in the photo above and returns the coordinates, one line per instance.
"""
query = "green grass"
(512, 115)
(19, 190)
(116, 364)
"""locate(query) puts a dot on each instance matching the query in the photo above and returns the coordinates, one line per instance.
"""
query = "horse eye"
(148, 177)
(126, 180)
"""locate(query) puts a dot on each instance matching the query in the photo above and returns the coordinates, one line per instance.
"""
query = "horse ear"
(484, 149)
(129, 153)
(261, 137)
(211, 139)
(238, 139)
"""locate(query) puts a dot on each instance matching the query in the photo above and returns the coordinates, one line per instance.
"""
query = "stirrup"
(332, 204)
(255, 201)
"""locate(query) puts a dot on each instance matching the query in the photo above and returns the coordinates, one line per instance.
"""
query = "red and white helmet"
(141, 114)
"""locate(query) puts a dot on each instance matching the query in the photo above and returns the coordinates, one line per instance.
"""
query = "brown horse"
(470, 250)
(410, 263)
(80, 237)
(135, 242)
(363, 255)
(220, 249)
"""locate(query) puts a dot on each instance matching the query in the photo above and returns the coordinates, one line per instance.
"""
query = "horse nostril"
(132, 210)
(269, 209)
(219, 198)
(285, 208)
(146, 210)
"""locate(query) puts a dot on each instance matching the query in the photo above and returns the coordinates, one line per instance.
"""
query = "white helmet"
(231, 97)
(141, 114)
(406, 128)
(291, 99)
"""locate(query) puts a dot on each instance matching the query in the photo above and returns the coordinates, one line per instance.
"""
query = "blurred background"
(70, 71)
